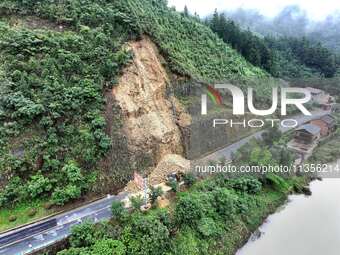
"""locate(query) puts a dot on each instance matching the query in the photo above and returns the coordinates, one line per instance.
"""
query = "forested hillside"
(58, 59)
(281, 56)
(292, 22)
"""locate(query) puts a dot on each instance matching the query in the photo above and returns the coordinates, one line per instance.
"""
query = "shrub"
(31, 212)
(225, 202)
(164, 217)
(146, 235)
(38, 185)
(242, 204)
(277, 182)
(118, 210)
(188, 210)
(75, 251)
(108, 247)
(208, 228)
(186, 243)
(48, 205)
(13, 192)
(155, 192)
(271, 135)
(82, 235)
(12, 218)
(248, 185)
(136, 202)
(62, 196)
(189, 179)
(173, 185)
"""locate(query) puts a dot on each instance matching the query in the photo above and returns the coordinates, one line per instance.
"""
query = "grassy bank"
(254, 208)
(214, 216)
(22, 214)
(328, 151)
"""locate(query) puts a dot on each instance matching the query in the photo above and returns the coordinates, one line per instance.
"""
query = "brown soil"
(149, 120)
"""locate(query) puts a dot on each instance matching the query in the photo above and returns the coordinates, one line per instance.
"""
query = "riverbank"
(303, 220)
(267, 202)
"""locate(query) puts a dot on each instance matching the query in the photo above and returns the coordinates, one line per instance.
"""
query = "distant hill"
(279, 50)
(292, 21)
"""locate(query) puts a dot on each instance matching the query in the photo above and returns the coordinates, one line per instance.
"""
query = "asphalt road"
(97, 211)
(227, 152)
(100, 210)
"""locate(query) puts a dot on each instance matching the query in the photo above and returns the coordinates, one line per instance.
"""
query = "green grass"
(21, 212)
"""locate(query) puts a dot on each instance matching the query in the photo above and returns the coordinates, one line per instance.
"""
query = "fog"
(291, 21)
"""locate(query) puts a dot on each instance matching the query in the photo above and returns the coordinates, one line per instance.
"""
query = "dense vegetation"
(299, 57)
(252, 47)
(328, 150)
(54, 134)
(204, 220)
(280, 56)
(292, 21)
(51, 106)
(189, 46)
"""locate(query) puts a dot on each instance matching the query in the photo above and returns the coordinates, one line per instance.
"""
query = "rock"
(306, 190)
(162, 202)
(171, 163)
(145, 208)
(256, 235)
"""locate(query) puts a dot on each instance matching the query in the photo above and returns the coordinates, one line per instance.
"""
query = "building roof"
(310, 128)
(314, 90)
(329, 119)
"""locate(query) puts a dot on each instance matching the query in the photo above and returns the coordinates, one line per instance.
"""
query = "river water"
(304, 226)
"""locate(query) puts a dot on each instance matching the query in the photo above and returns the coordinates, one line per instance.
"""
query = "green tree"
(185, 204)
(146, 235)
(272, 135)
(75, 251)
(38, 185)
(186, 11)
(225, 203)
(108, 247)
(61, 196)
(83, 235)
(155, 192)
(119, 212)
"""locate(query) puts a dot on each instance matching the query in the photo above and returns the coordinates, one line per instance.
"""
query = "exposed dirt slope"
(150, 118)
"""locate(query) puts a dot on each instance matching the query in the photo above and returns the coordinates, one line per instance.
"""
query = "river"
(304, 226)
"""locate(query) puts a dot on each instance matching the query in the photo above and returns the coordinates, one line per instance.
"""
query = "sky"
(316, 9)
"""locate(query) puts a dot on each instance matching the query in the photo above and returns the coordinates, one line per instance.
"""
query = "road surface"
(97, 211)
(227, 152)
(100, 210)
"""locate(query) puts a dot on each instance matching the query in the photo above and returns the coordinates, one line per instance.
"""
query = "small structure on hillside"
(307, 134)
(327, 124)
(322, 98)
(335, 108)
(317, 94)
(305, 139)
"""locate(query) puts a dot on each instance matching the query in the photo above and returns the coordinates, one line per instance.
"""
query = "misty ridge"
(292, 21)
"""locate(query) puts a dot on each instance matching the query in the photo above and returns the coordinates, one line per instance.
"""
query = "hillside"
(284, 56)
(292, 21)
(64, 129)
